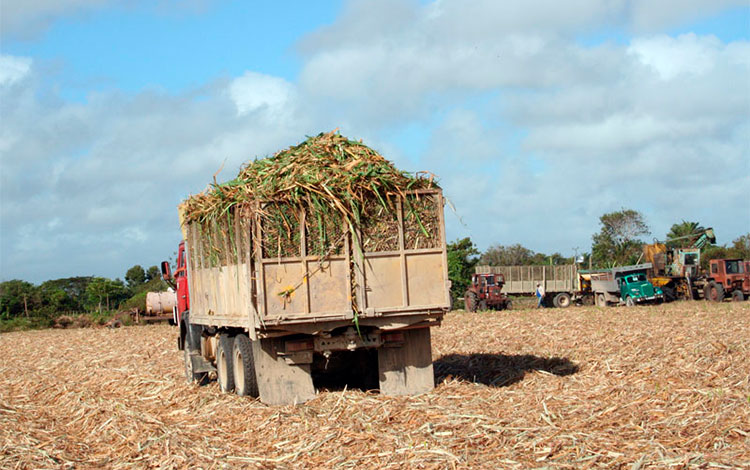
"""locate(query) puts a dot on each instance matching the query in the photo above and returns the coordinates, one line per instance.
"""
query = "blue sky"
(538, 116)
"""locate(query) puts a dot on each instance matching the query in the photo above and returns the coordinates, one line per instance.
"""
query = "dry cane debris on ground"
(649, 387)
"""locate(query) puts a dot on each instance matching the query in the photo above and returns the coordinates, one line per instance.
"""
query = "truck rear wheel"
(224, 369)
(737, 296)
(470, 301)
(562, 300)
(243, 372)
(600, 300)
(713, 292)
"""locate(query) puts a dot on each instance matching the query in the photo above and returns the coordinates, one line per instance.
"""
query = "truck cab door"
(181, 281)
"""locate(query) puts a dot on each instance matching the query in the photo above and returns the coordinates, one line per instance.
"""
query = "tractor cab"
(486, 292)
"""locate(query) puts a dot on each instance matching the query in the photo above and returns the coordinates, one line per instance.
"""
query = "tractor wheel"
(713, 292)
(482, 305)
(470, 301)
(224, 369)
(562, 300)
(509, 305)
(737, 296)
(669, 294)
(629, 302)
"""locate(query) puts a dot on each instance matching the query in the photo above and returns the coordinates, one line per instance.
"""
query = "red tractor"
(728, 277)
(485, 293)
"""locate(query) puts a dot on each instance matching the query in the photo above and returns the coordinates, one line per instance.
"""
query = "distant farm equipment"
(485, 292)
(728, 278)
(626, 285)
(567, 284)
(677, 270)
(563, 285)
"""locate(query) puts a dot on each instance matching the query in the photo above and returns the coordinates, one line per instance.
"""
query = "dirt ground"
(648, 387)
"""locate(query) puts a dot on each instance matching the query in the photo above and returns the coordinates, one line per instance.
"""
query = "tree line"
(619, 242)
(74, 295)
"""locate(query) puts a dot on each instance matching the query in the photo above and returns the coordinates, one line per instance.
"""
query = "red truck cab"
(180, 282)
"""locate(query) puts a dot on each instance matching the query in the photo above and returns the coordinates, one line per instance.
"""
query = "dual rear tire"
(235, 365)
(243, 373)
(224, 363)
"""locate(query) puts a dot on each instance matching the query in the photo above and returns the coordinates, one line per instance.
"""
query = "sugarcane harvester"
(677, 270)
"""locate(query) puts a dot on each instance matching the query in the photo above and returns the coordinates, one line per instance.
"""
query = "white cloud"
(564, 132)
(256, 91)
(93, 187)
(13, 69)
(670, 57)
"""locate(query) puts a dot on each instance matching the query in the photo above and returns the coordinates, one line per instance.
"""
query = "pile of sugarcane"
(329, 176)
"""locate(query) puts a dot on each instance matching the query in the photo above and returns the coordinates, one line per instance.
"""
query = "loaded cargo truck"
(271, 291)
(563, 285)
(625, 285)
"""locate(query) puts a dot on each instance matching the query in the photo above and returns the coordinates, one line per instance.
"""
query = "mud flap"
(200, 364)
(407, 370)
(280, 383)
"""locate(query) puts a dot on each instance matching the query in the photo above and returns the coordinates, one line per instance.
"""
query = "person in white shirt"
(539, 295)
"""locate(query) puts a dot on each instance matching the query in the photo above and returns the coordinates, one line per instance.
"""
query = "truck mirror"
(166, 271)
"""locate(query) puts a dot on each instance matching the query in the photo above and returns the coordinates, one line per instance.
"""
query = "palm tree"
(684, 234)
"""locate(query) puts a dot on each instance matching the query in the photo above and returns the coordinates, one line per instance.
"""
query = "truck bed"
(523, 279)
(263, 285)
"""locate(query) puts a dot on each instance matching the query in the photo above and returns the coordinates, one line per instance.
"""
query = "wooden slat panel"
(280, 277)
(329, 286)
(425, 279)
(383, 281)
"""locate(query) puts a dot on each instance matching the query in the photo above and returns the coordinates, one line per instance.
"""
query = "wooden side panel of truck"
(247, 287)
(523, 279)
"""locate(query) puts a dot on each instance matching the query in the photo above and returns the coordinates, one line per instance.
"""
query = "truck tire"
(470, 301)
(562, 300)
(600, 300)
(224, 369)
(737, 296)
(713, 292)
(245, 383)
(629, 302)
(669, 294)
